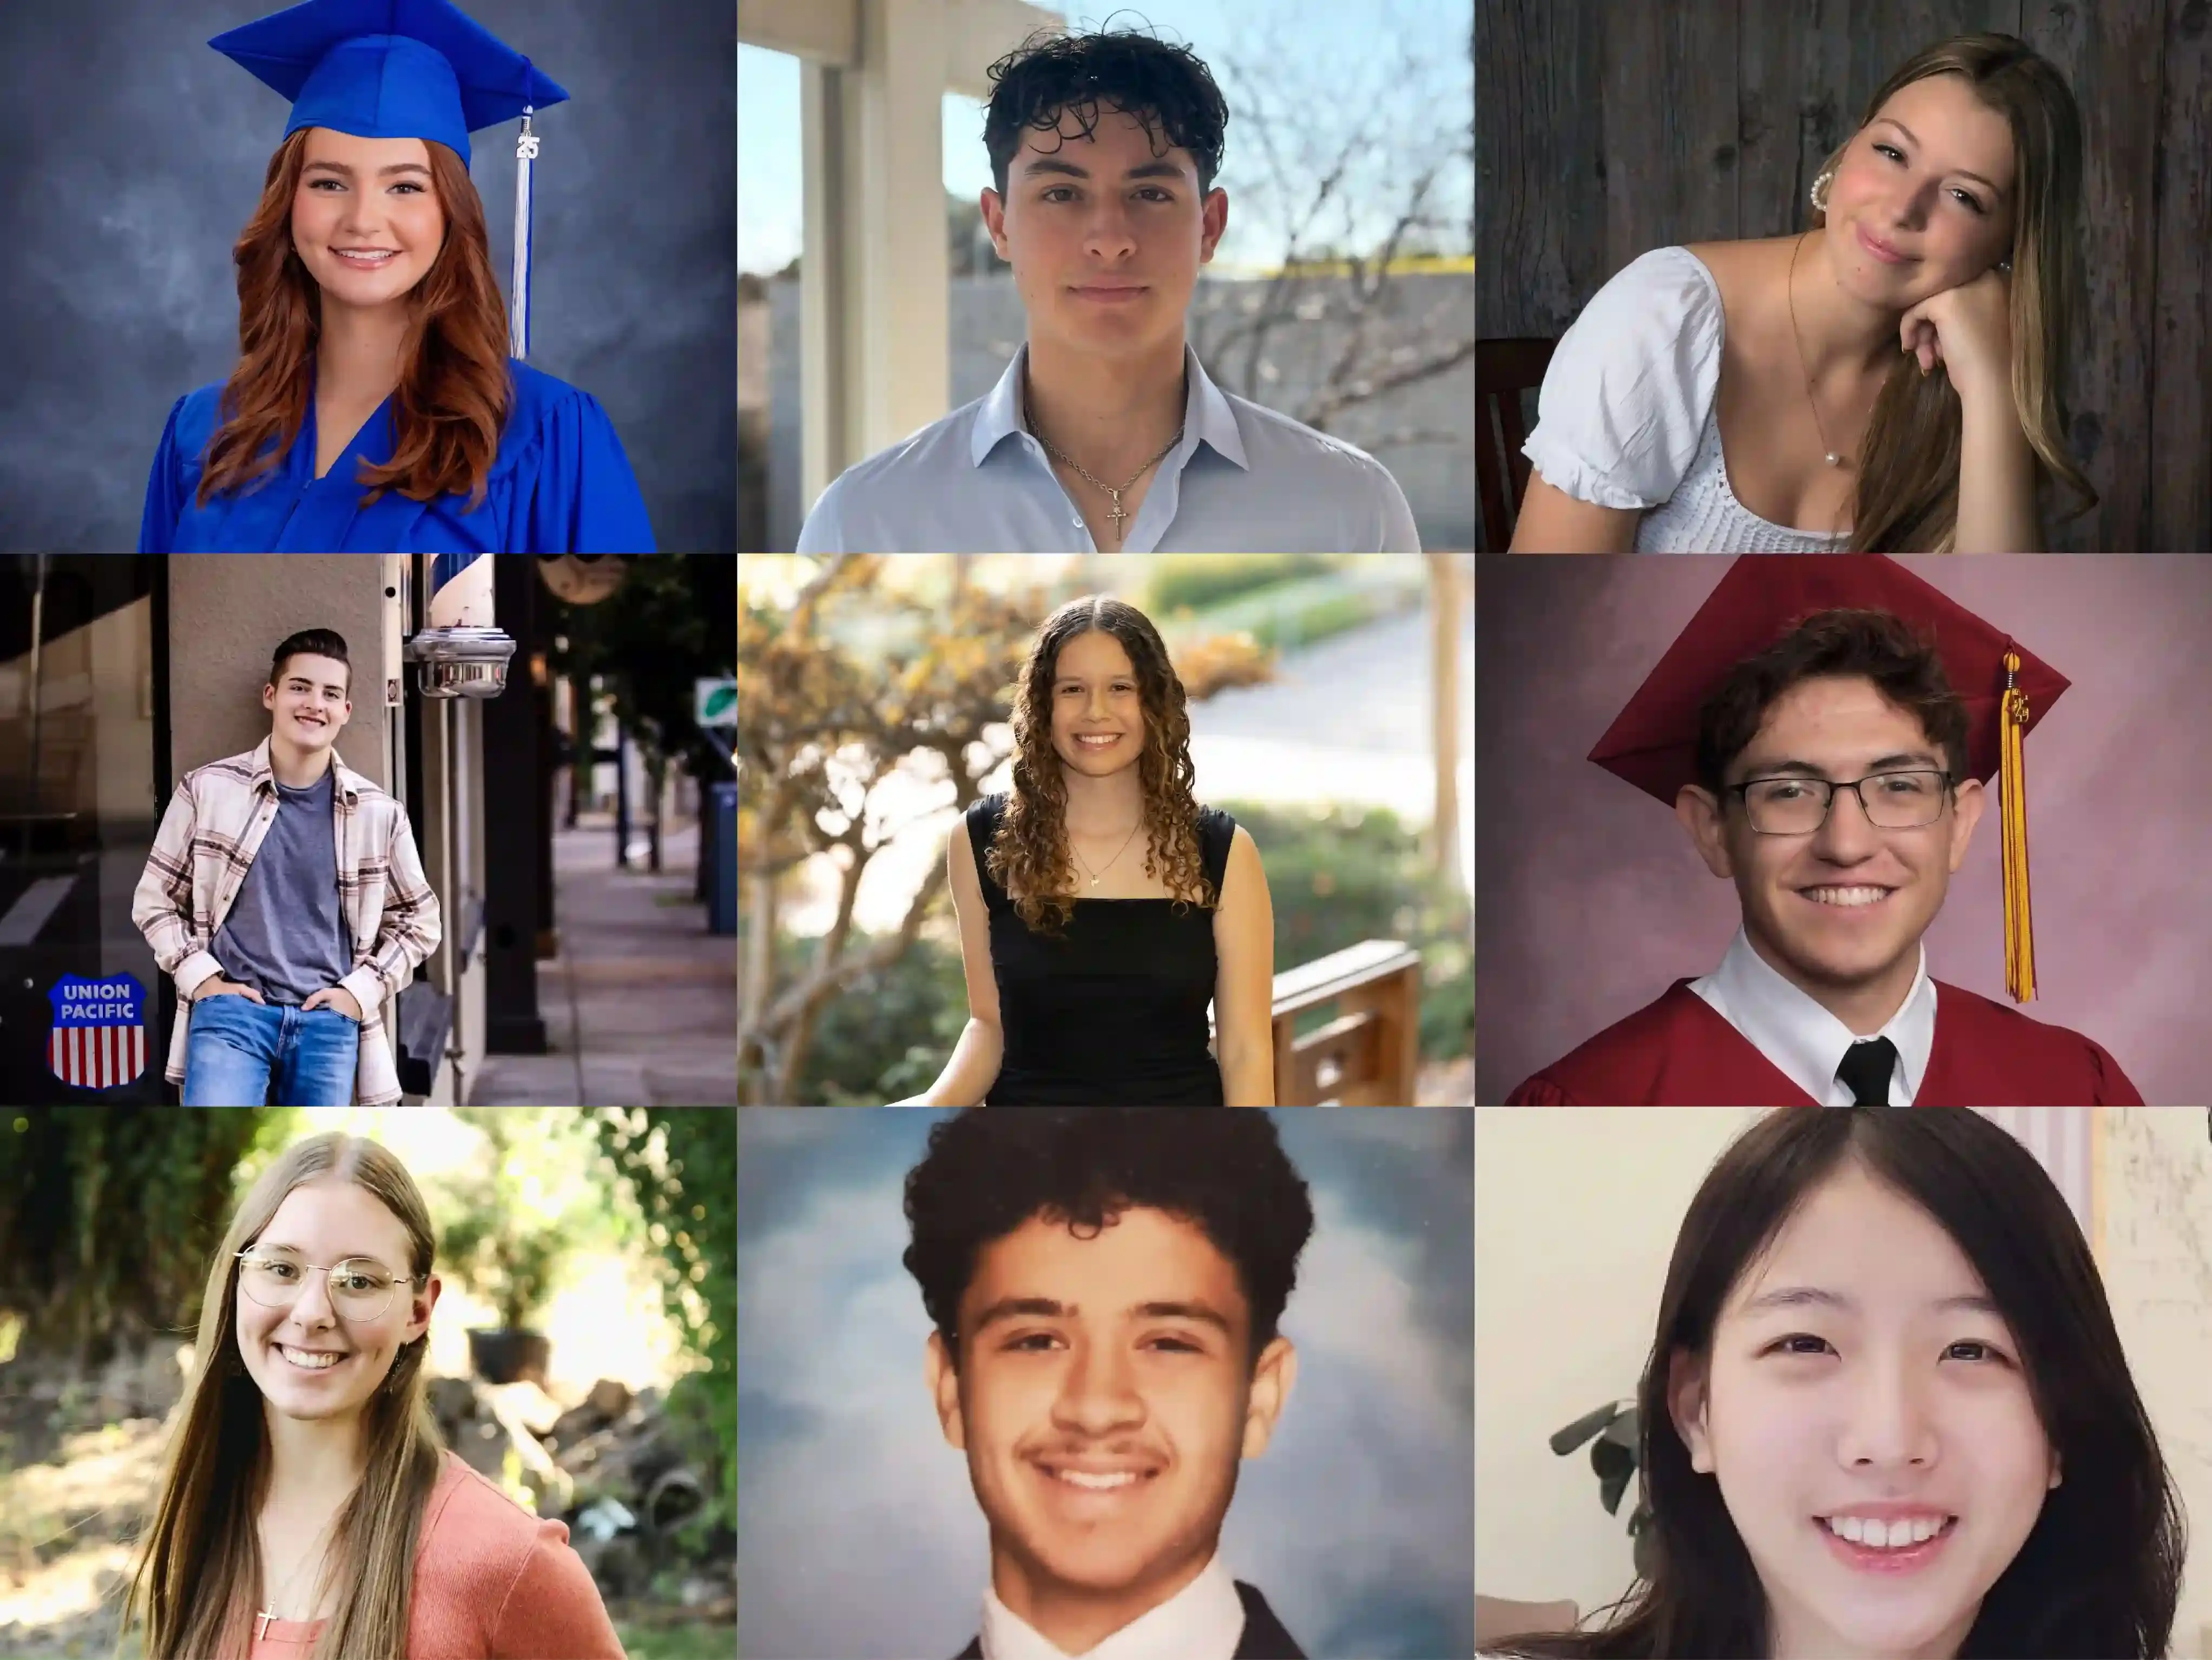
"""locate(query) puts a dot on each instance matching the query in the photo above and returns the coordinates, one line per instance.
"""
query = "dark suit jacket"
(1264, 1638)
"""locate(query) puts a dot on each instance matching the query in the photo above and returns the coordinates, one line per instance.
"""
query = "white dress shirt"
(1204, 1620)
(1244, 478)
(1804, 1041)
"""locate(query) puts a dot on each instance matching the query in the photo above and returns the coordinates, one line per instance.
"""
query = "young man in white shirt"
(1105, 1365)
(1106, 432)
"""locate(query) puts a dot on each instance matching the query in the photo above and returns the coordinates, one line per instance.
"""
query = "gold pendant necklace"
(1790, 288)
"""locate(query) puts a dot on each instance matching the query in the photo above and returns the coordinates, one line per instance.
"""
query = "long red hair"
(453, 391)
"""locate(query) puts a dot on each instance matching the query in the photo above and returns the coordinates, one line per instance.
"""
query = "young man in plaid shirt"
(285, 899)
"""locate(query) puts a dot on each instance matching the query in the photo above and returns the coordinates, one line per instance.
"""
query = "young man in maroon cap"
(1824, 730)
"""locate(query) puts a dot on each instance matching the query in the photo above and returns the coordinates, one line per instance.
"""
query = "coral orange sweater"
(492, 1582)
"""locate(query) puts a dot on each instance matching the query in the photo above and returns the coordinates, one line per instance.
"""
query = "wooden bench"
(1369, 1054)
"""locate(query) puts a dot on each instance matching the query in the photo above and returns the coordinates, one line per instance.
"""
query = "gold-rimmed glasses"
(360, 1288)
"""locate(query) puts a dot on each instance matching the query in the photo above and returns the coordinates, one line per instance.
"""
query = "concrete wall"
(988, 326)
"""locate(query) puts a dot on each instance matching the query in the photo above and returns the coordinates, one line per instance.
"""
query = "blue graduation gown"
(559, 485)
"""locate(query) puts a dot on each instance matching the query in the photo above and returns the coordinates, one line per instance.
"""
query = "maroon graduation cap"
(2005, 688)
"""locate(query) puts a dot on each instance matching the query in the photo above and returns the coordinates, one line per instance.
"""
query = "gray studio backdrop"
(1591, 900)
(134, 155)
(857, 1534)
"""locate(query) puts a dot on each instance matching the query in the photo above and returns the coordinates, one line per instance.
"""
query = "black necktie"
(1865, 1071)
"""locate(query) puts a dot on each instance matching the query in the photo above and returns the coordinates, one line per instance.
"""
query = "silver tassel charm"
(518, 323)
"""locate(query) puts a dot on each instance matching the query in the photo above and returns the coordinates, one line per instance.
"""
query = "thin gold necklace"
(1060, 455)
(264, 1615)
(1790, 287)
(1109, 865)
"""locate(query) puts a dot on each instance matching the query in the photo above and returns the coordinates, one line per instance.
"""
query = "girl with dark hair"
(1090, 961)
(1886, 1414)
(375, 405)
(307, 1510)
(1890, 379)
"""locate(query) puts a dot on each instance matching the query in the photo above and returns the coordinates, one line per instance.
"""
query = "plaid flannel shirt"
(217, 818)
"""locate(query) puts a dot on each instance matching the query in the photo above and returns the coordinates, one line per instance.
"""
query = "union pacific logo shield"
(99, 1039)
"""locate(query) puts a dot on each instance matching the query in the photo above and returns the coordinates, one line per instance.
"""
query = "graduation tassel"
(525, 152)
(2012, 807)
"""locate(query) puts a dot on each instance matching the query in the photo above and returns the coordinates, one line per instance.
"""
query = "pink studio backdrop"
(1591, 901)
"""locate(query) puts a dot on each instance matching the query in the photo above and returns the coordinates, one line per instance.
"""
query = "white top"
(1244, 479)
(1204, 1620)
(1627, 414)
(1804, 1041)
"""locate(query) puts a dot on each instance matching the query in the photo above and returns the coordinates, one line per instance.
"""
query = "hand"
(339, 999)
(216, 986)
(1968, 330)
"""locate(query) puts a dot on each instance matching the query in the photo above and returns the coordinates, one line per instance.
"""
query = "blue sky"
(1343, 59)
(860, 1538)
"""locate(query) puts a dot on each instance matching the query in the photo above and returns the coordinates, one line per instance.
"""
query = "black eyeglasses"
(1798, 807)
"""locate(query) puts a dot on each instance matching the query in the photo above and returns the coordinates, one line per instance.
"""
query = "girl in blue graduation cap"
(375, 406)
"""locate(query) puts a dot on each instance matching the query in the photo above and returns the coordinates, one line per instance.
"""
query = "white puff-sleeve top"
(1627, 415)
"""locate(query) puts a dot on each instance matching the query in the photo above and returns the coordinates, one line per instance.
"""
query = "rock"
(610, 1397)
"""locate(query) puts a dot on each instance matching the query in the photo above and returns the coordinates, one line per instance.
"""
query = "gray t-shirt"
(286, 934)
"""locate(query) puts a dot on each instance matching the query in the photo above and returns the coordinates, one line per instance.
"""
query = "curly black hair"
(1168, 89)
(989, 1170)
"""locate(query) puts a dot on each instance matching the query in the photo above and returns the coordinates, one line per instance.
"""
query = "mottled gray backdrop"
(133, 153)
(1591, 901)
(857, 1534)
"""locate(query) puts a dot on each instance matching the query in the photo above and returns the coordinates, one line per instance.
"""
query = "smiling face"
(1875, 1375)
(1932, 176)
(309, 701)
(366, 217)
(1104, 1399)
(1800, 894)
(328, 1221)
(1095, 691)
(1105, 235)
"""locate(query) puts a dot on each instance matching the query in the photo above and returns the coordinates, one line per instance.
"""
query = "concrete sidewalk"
(640, 1006)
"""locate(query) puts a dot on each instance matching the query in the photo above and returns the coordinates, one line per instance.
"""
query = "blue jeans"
(234, 1046)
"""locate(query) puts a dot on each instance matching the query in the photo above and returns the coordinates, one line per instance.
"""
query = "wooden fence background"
(1606, 128)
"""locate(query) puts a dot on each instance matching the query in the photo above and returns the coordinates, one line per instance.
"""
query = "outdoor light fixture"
(460, 653)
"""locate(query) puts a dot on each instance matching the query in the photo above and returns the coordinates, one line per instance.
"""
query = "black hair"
(989, 1170)
(2099, 1575)
(1168, 89)
(311, 642)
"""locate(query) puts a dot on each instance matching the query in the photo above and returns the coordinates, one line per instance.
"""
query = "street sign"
(714, 703)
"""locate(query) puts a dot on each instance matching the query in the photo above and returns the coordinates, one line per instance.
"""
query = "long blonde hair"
(1908, 492)
(200, 1557)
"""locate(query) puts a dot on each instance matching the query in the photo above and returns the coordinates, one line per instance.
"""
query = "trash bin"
(720, 853)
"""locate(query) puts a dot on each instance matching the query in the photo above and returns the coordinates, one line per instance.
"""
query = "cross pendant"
(262, 1630)
(1117, 516)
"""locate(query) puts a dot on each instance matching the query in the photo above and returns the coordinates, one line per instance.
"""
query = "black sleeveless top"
(1111, 1012)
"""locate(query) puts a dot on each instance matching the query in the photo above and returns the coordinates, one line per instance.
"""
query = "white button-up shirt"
(1244, 478)
(1804, 1041)
(1204, 1620)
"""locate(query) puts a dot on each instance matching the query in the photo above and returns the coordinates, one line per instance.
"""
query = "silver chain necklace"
(1116, 515)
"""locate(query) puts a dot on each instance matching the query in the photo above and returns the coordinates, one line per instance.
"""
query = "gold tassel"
(2012, 806)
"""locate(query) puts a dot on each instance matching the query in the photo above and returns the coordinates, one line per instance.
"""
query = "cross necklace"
(264, 1615)
(1116, 515)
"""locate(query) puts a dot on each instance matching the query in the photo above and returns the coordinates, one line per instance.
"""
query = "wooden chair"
(1504, 369)
(1370, 1054)
(1497, 1617)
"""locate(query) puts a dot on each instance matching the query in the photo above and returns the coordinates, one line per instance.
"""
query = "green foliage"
(888, 1036)
(700, 1642)
(671, 621)
(507, 1224)
(1200, 579)
(110, 1215)
(682, 1163)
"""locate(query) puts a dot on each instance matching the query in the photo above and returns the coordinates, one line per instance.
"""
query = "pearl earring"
(1818, 195)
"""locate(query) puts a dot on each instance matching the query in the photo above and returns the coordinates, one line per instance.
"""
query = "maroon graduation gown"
(1680, 1052)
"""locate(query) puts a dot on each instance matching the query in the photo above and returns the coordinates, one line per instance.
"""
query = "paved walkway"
(640, 1006)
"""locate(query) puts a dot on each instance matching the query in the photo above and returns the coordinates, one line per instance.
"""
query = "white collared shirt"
(1804, 1041)
(1204, 1620)
(1243, 477)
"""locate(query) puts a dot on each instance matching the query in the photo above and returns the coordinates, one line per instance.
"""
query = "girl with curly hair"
(1090, 962)
(307, 1509)
(374, 406)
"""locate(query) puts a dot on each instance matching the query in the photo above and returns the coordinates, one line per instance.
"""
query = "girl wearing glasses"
(307, 1507)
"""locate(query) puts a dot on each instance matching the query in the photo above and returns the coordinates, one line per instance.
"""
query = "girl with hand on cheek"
(307, 1507)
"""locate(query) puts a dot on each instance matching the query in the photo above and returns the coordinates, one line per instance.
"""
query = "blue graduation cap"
(403, 68)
